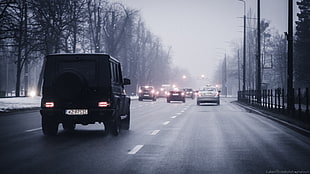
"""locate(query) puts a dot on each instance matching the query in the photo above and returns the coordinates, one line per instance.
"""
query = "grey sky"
(199, 31)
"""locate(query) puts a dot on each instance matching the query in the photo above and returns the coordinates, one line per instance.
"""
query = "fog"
(200, 32)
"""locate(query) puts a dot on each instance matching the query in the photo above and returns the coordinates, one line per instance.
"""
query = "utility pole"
(290, 89)
(225, 76)
(258, 83)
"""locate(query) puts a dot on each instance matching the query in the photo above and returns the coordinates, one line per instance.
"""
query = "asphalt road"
(163, 138)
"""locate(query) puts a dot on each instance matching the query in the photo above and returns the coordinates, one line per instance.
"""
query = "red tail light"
(103, 104)
(49, 104)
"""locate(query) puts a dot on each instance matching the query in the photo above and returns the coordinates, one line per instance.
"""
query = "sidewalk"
(293, 123)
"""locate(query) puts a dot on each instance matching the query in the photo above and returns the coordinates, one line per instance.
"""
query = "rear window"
(147, 88)
(209, 89)
(86, 68)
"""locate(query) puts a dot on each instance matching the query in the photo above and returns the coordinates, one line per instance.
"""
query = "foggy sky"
(201, 31)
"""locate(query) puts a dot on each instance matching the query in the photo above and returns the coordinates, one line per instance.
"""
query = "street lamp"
(244, 42)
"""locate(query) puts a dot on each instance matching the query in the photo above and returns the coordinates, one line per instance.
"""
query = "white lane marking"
(155, 132)
(166, 122)
(182, 111)
(174, 116)
(135, 149)
(178, 113)
(31, 130)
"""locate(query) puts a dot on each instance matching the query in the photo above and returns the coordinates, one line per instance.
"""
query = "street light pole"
(244, 43)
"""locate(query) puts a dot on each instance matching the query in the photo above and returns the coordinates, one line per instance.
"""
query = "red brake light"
(103, 104)
(49, 104)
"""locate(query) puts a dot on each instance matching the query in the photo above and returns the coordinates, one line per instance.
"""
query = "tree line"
(32, 29)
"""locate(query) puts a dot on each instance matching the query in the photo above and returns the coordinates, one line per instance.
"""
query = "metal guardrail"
(276, 100)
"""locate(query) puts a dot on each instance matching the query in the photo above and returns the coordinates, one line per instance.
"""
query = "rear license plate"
(146, 95)
(76, 111)
(175, 94)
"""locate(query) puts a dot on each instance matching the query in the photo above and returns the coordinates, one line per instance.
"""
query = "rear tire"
(49, 126)
(198, 103)
(115, 126)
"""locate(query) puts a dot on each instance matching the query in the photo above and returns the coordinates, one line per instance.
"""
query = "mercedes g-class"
(84, 89)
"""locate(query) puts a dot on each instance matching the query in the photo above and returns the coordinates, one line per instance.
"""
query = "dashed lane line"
(174, 116)
(32, 130)
(166, 122)
(135, 149)
(155, 132)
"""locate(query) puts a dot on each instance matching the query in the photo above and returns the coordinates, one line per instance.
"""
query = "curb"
(272, 116)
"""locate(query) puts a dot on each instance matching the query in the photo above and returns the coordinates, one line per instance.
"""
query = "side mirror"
(126, 81)
(219, 91)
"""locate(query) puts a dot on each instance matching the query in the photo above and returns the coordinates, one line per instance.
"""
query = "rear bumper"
(147, 96)
(208, 99)
(94, 115)
(176, 98)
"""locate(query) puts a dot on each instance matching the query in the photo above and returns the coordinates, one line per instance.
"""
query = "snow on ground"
(14, 103)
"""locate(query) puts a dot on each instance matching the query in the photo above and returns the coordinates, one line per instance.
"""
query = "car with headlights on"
(176, 95)
(147, 92)
(189, 93)
(208, 94)
(163, 90)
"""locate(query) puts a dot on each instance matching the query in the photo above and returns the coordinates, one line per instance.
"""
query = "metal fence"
(276, 100)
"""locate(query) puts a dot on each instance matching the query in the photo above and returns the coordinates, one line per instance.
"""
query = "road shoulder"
(293, 123)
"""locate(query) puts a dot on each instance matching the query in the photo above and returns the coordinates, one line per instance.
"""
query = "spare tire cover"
(69, 86)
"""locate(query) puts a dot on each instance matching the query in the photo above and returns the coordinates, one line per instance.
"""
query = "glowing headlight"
(32, 93)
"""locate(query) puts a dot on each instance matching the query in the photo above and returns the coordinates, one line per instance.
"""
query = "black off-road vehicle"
(84, 89)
